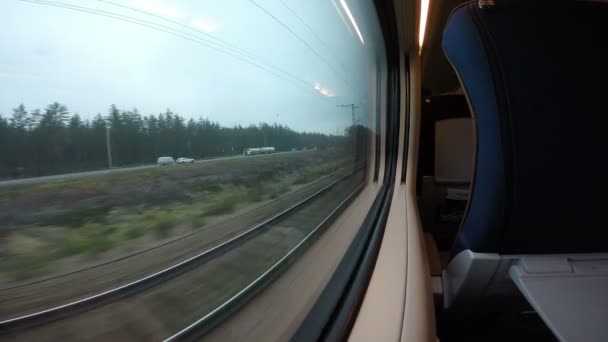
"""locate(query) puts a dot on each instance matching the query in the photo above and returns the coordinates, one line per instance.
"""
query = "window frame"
(333, 314)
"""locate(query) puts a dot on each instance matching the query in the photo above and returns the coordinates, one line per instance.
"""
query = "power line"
(131, 19)
(177, 33)
(300, 39)
(353, 107)
(229, 45)
(295, 14)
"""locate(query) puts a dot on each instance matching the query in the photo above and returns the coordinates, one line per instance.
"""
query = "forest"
(54, 140)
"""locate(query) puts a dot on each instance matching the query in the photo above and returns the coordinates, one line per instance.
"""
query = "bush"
(134, 230)
(303, 178)
(163, 227)
(278, 190)
(204, 186)
(254, 194)
(224, 205)
(90, 240)
(26, 267)
(78, 217)
(198, 222)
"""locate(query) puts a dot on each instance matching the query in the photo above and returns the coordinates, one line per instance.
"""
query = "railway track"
(245, 262)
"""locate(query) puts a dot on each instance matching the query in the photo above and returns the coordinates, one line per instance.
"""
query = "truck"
(251, 151)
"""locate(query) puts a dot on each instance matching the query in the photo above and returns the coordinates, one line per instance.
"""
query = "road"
(66, 176)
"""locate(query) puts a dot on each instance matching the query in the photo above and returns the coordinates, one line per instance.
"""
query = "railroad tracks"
(263, 250)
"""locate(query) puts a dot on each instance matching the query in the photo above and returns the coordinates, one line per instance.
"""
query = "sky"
(233, 61)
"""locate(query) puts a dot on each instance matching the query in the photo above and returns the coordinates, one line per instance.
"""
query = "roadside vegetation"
(55, 227)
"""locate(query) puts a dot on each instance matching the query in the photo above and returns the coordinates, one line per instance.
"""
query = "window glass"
(157, 157)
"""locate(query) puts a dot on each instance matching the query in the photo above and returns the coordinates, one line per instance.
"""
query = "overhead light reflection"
(424, 12)
(352, 19)
(333, 2)
(323, 90)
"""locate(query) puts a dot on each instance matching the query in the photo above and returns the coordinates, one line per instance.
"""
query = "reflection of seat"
(534, 74)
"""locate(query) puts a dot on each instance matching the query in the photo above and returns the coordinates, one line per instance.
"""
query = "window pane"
(165, 155)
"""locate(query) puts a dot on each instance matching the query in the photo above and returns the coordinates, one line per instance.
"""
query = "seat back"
(534, 73)
(454, 150)
(435, 109)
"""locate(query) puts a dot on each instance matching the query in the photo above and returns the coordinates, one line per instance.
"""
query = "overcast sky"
(227, 60)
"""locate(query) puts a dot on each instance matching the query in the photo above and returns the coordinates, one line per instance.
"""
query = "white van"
(162, 161)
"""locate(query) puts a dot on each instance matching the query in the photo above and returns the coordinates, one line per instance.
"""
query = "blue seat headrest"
(535, 75)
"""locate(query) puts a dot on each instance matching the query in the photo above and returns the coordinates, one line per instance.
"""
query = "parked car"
(162, 161)
(183, 160)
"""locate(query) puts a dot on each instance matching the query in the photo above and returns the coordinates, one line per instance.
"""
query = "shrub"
(163, 227)
(198, 222)
(91, 240)
(224, 205)
(78, 217)
(204, 186)
(26, 267)
(133, 230)
(254, 194)
(278, 190)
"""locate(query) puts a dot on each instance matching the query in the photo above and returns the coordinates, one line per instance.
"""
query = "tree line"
(53, 140)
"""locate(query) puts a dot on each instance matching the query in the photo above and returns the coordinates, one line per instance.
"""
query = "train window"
(159, 157)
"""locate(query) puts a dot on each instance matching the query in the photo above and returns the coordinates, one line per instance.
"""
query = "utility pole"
(354, 121)
(353, 107)
(108, 146)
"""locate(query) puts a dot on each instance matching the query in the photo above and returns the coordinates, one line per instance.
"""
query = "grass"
(310, 174)
(78, 217)
(88, 232)
(254, 193)
(198, 221)
(224, 205)
(162, 228)
(205, 186)
(90, 240)
(278, 190)
(133, 230)
(27, 266)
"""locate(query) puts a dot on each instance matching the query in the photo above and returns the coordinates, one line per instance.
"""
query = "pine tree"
(20, 118)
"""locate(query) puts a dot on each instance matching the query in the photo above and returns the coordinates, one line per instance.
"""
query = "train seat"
(534, 74)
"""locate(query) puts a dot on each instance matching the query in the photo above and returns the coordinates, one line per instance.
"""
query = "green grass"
(205, 186)
(198, 221)
(254, 193)
(223, 205)
(90, 231)
(133, 230)
(78, 217)
(164, 226)
(309, 176)
(278, 190)
(25, 267)
(90, 240)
